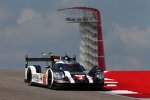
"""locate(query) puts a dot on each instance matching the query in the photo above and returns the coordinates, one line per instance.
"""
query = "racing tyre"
(29, 77)
(50, 81)
(49, 85)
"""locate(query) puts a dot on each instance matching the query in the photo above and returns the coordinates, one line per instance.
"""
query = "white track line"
(121, 92)
(111, 85)
(108, 79)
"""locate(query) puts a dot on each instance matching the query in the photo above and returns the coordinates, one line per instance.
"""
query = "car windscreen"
(69, 67)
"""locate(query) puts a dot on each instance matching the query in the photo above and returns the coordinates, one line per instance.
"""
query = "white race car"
(63, 72)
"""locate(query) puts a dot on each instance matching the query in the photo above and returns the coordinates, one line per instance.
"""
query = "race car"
(62, 72)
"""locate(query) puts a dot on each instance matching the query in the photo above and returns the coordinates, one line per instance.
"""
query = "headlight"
(58, 75)
(99, 75)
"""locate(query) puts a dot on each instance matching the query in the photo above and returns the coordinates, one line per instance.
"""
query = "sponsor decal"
(80, 77)
(84, 19)
(44, 78)
(35, 77)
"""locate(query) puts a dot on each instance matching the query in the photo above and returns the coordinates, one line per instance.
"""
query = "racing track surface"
(12, 87)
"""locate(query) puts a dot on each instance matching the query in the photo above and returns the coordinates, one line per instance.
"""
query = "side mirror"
(26, 65)
(48, 67)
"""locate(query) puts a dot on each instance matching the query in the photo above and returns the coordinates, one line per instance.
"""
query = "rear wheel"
(29, 77)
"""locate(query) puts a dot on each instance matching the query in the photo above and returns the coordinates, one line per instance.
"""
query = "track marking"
(121, 92)
(108, 79)
(111, 85)
(110, 82)
(128, 93)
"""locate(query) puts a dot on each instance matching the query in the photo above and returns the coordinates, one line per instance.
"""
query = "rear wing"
(53, 59)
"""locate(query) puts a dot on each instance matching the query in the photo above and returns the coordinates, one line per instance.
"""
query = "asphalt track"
(12, 87)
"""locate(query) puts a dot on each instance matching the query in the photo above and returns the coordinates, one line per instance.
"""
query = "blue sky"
(34, 26)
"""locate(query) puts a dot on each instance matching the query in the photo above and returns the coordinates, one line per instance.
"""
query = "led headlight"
(58, 75)
(99, 75)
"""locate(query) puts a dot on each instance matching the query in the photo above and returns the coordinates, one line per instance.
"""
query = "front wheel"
(50, 81)
(50, 84)
(29, 77)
